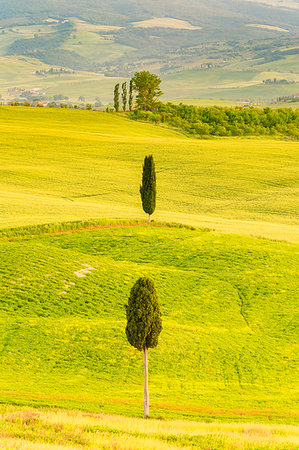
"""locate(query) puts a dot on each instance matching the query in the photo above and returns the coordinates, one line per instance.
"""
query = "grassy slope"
(19, 72)
(228, 348)
(228, 84)
(53, 429)
(64, 165)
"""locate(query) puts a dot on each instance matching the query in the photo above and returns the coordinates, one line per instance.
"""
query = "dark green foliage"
(131, 96)
(124, 95)
(147, 86)
(116, 98)
(148, 186)
(143, 315)
(219, 121)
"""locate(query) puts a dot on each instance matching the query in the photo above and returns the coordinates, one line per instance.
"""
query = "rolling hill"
(228, 346)
(122, 12)
(63, 165)
(228, 349)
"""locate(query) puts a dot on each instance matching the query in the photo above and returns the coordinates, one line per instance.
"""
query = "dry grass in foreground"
(27, 428)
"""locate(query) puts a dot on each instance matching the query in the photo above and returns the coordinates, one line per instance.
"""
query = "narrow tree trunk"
(146, 393)
(149, 218)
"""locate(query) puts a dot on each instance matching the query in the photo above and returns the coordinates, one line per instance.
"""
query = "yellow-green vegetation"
(29, 428)
(60, 165)
(228, 346)
(227, 351)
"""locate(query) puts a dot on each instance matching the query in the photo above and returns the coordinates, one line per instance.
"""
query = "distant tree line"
(221, 121)
(277, 81)
(54, 71)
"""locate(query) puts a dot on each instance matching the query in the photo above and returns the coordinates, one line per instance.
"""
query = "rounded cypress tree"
(148, 187)
(144, 324)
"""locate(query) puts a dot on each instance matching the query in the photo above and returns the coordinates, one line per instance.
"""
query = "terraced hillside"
(59, 165)
(228, 346)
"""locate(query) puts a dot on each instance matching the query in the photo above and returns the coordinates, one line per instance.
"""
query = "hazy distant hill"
(119, 37)
(122, 12)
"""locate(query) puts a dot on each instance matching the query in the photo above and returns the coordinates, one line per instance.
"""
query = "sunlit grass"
(228, 346)
(49, 429)
(75, 165)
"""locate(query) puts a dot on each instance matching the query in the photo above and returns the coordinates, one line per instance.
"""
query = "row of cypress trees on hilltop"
(127, 97)
(144, 323)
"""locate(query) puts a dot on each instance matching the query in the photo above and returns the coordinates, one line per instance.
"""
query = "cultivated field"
(165, 22)
(267, 27)
(62, 165)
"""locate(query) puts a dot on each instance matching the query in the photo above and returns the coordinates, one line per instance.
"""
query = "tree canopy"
(147, 87)
(144, 323)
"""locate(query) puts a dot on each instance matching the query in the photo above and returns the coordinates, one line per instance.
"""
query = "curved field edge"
(24, 427)
(228, 348)
(81, 225)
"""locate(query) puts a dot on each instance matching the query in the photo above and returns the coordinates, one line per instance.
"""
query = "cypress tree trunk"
(146, 393)
(149, 218)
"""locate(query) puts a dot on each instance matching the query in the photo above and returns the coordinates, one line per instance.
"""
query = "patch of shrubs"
(224, 121)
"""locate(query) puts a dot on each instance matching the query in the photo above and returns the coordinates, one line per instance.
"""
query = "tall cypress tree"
(116, 98)
(124, 95)
(131, 95)
(148, 186)
(144, 324)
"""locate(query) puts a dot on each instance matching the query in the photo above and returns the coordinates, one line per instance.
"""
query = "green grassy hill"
(230, 84)
(228, 346)
(62, 165)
